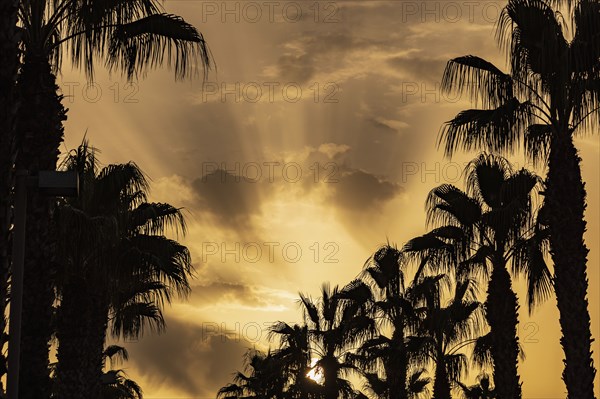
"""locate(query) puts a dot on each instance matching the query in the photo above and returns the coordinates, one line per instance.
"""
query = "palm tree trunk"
(8, 109)
(81, 333)
(330, 375)
(565, 199)
(502, 316)
(39, 134)
(441, 385)
(398, 367)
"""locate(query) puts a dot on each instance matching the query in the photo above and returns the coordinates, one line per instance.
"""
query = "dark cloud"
(360, 191)
(296, 68)
(231, 198)
(313, 50)
(191, 358)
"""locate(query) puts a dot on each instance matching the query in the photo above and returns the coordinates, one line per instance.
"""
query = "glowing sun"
(315, 373)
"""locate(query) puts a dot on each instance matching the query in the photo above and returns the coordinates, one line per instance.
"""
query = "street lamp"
(48, 183)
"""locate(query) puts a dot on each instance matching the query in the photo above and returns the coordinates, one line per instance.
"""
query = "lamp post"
(49, 183)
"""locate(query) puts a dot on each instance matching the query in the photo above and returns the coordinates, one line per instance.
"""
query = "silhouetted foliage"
(551, 95)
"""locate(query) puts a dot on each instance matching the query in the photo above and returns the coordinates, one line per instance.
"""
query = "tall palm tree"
(444, 331)
(8, 77)
(337, 323)
(263, 378)
(551, 94)
(490, 225)
(131, 36)
(117, 269)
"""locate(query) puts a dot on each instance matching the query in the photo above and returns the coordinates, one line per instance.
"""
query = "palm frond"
(498, 129)
(155, 218)
(132, 320)
(530, 29)
(486, 84)
(137, 46)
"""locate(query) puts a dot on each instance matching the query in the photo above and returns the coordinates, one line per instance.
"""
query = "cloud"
(233, 199)
(296, 68)
(226, 292)
(387, 125)
(419, 68)
(333, 150)
(220, 295)
(360, 191)
(192, 359)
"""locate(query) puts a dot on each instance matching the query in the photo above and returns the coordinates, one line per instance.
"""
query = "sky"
(311, 144)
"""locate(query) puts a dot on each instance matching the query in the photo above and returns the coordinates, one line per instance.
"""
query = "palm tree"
(338, 322)
(481, 390)
(551, 94)
(295, 353)
(489, 226)
(114, 382)
(117, 269)
(444, 331)
(417, 384)
(393, 308)
(263, 378)
(116, 385)
(132, 36)
(8, 76)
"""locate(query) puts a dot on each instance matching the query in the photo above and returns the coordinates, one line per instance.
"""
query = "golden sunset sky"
(325, 116)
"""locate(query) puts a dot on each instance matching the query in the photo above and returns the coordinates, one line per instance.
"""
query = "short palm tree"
(490, 225)
(384, 359)
(115, 384)
(263, 378)
(482, 390)
(443, 332)
(337, 323)
(295, 353)
(117, 269)
(551, 95)
(131, 36)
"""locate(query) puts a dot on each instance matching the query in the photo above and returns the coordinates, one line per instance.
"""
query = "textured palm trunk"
(330, 374)
(8, 109)
(565, 199)
(501, 314)
(441, 385)
(81, 333)
(397, 370)
(39, 134)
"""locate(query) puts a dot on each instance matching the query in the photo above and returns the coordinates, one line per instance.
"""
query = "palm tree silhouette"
(550, 95)
(393, 308)
(488, 226)
(116, 268)
(115, 383)
(131, 36)
(295, 353)
(263, 378)
(8, 74)
(444, 331)
(482, 390)
(337, 322)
